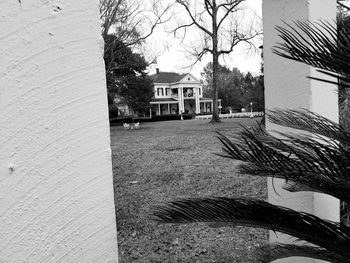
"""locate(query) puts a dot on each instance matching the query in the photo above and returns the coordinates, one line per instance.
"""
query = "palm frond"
(309, 163)
(308, 121)
(297, 187)
(338, 190)
(255, 213)
(317, 44)
(274, 251)
(317, 160)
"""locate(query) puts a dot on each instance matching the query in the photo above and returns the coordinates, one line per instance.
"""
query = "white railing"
(233, 115)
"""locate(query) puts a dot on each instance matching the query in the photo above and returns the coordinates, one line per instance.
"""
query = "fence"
(233, 115)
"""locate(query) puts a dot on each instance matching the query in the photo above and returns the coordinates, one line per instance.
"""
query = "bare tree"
(132, 21)
(344, 4)
(221, 29)
(125, 25)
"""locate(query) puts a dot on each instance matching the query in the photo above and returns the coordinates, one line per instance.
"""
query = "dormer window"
(189, 79)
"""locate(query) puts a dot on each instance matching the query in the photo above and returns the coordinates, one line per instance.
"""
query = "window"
(167, 91)
(160, 92)
(200, 91)
(189, 79)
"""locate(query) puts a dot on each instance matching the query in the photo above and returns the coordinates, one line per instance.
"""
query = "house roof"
(167, 77)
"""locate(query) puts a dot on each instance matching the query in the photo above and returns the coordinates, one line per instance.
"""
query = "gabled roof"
(167, 77)
(188, 77)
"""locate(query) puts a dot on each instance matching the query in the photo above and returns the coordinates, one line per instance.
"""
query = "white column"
(287, 87)
(150, 112)
(198, 107)
(56, 192)
(159, 109)
(168, 108)
(181, 100)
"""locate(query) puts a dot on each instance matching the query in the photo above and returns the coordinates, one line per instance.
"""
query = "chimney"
(157, 70)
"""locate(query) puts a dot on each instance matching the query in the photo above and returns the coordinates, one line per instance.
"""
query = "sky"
(172, 55)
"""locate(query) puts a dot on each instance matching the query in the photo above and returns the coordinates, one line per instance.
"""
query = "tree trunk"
(215, 117)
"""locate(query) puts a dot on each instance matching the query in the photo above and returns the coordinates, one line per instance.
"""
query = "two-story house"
(178, 93)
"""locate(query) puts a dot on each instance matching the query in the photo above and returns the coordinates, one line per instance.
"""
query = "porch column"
(57, 200)
(287, 87)
(168, 108)
(159, 109)
(198, 107)
(181, 100)
(150, 112)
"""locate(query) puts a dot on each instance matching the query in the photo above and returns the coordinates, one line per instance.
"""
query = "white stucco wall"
(56, 192)
(287, 86)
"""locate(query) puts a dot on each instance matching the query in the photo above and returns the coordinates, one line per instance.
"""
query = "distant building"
(178, 93)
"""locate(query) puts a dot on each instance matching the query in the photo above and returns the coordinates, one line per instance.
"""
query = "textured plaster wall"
(286, 86)
(56, 192)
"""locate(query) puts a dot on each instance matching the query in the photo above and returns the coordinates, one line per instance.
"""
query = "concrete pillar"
(56, 191)
(286, 86)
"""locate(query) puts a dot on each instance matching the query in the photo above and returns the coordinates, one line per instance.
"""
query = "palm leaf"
(317, 44)
(297, 187)
(310, 163)
(317, 162)
(308, 121)
(255, 213)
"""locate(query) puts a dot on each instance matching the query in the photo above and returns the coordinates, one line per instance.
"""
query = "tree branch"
(129, 18)
(208, 6)
(236, 40)
(229, 8)
(193, 18)
(228, 5)
(342, 5)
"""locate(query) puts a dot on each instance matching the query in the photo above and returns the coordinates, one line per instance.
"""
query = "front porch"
(172, 106)
(164, 107)
(206, 106)
(189, 106)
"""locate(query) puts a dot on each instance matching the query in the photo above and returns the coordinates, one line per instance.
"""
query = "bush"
(167, 117)
(170, 117)
(113, 111)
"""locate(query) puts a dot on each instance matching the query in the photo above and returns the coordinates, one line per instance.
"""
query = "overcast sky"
(173, 56)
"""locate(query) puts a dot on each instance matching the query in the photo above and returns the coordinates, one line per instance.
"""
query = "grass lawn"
(163, 161)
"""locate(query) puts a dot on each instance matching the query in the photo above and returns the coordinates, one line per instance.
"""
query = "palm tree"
(319, 163)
